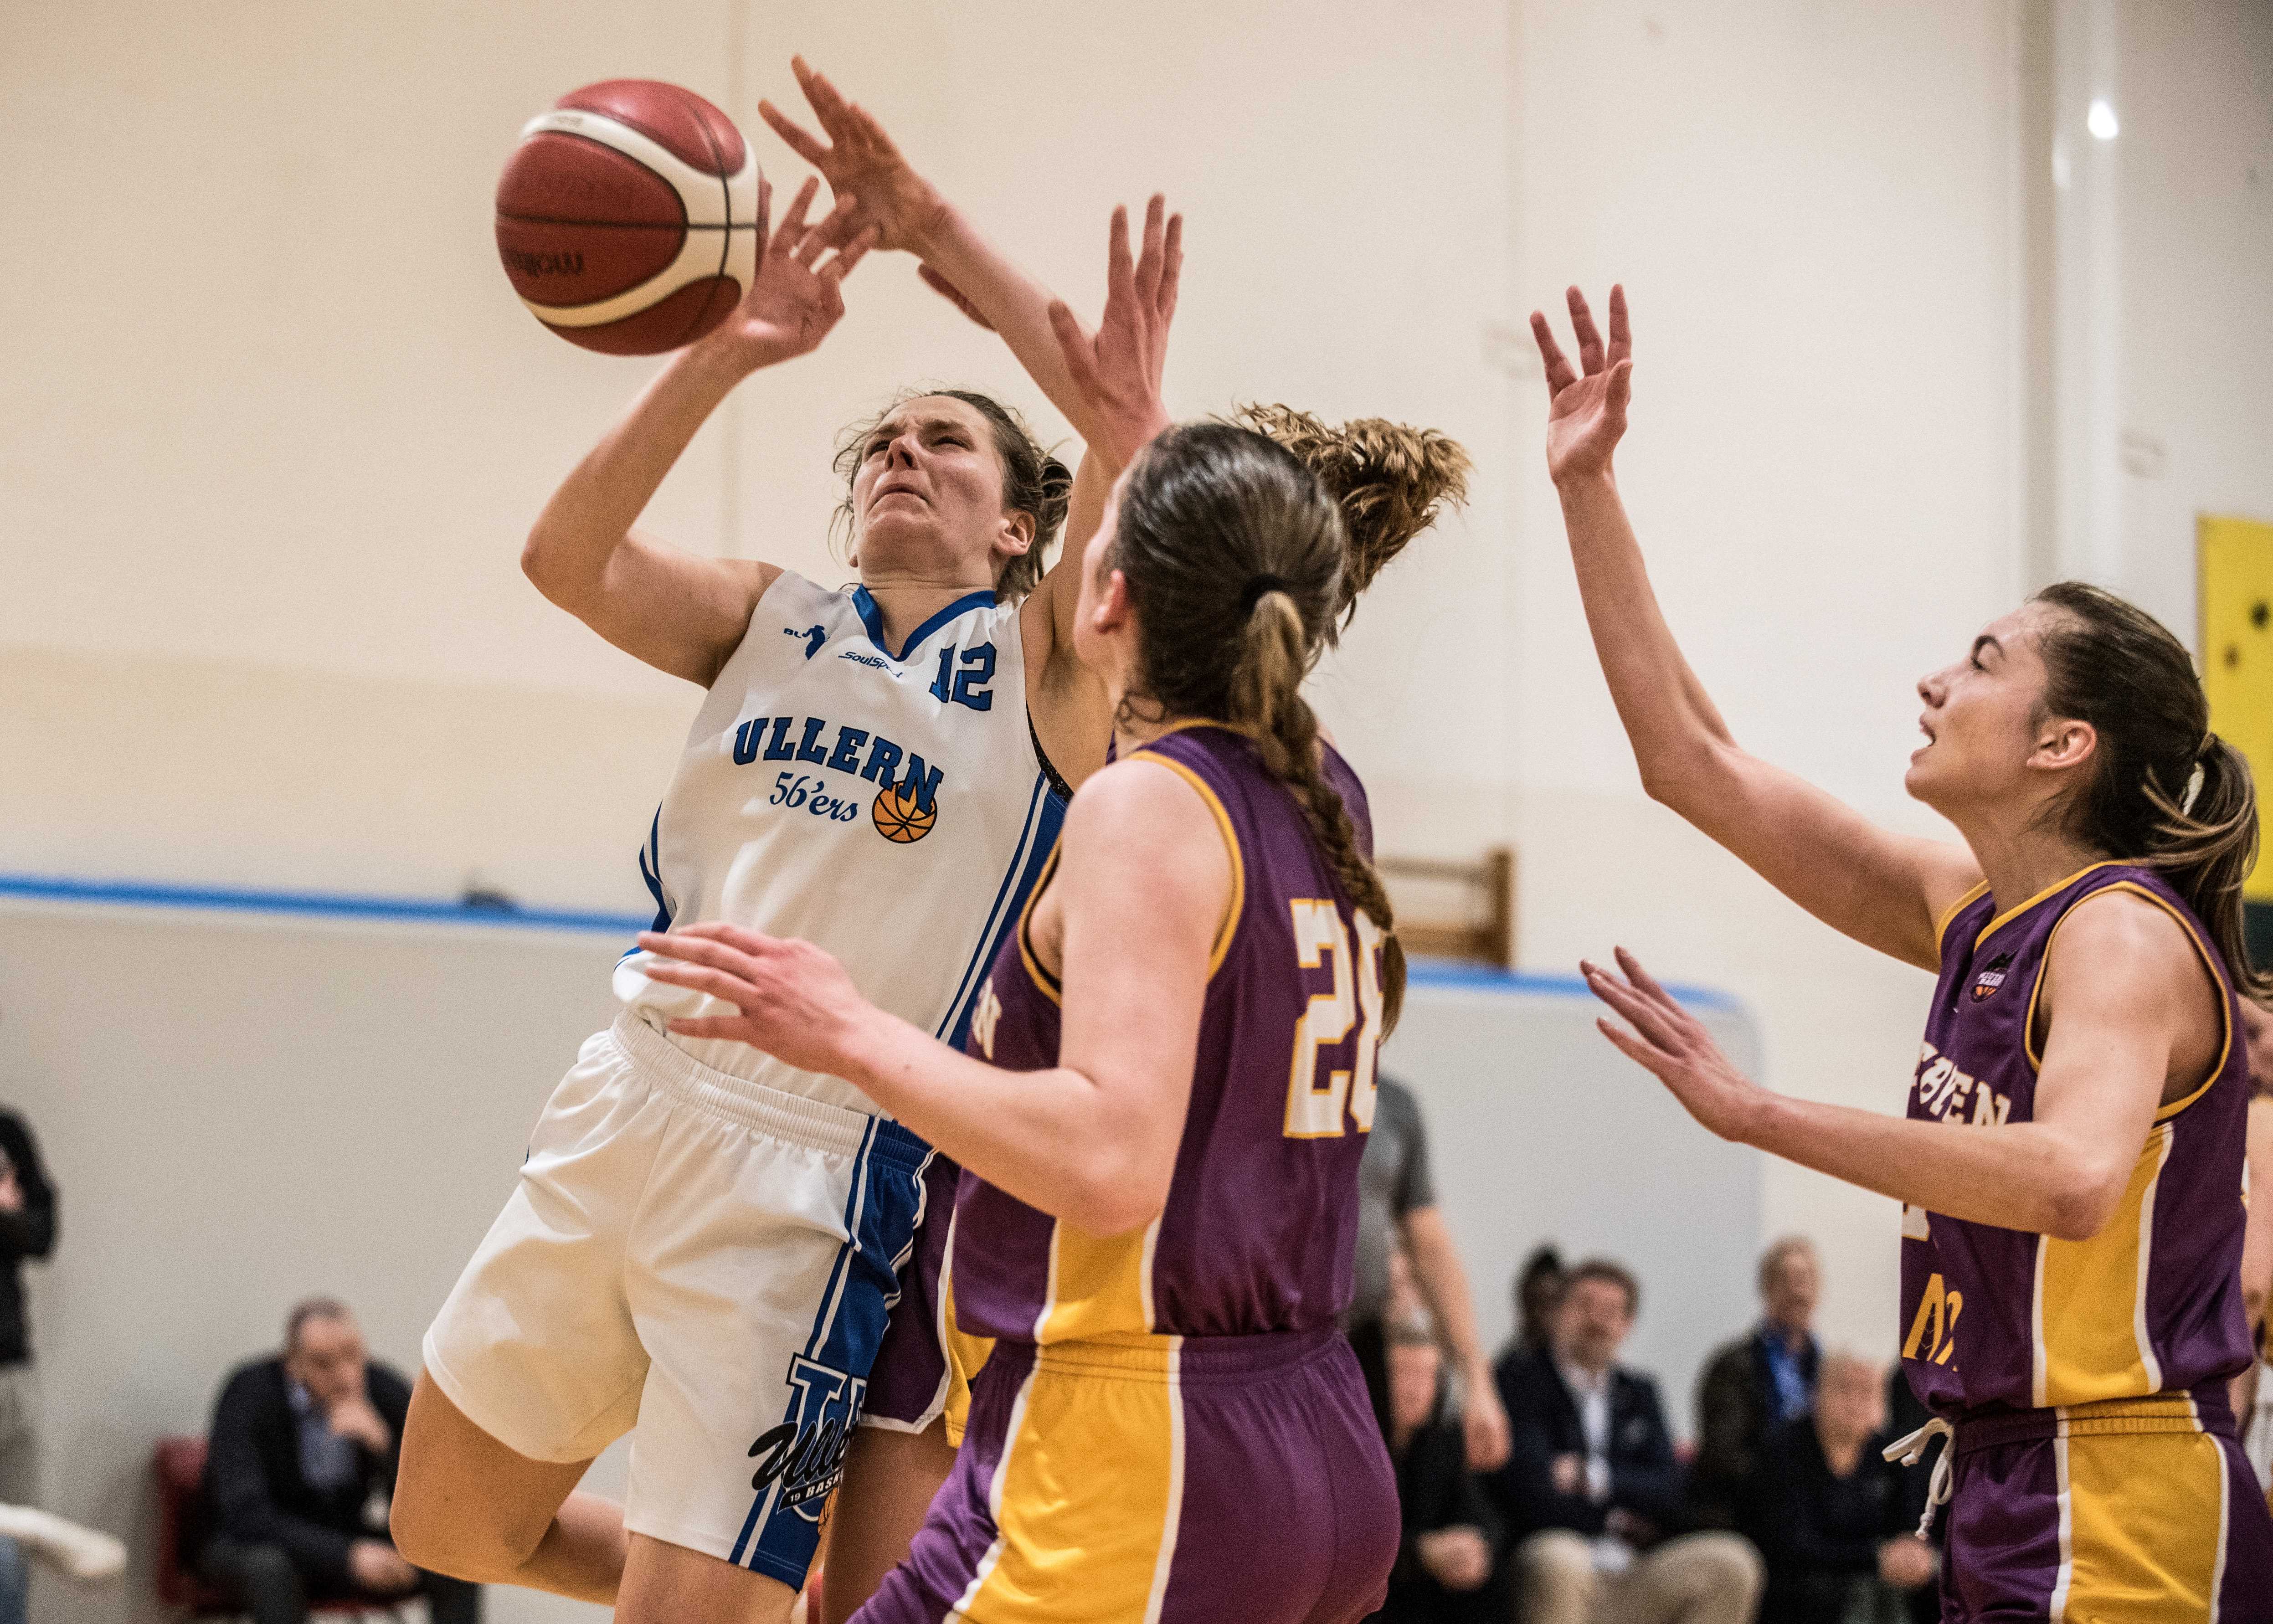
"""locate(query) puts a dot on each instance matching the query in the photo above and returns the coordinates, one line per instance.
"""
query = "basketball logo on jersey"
(903, 816)
(1992, 976)
(806, 1453)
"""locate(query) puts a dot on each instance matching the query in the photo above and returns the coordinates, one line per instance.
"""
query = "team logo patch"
(1992, 976)
(902, 817)
(805, 1455)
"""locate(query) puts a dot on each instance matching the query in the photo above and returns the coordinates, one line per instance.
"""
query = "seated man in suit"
(299, 1473)
(1591, 1491)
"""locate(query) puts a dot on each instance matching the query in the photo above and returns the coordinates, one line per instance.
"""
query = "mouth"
(887, 491)
(1927, 730)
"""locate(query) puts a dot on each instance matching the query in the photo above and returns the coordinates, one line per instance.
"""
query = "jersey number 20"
(1315, 1103)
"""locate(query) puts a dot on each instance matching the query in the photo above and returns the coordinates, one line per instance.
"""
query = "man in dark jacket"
(1591, 1491)
(299, 1473)
(1754, 1384)
(28, 1229)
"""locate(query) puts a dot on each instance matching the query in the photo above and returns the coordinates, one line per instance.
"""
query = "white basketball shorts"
(703, 1261)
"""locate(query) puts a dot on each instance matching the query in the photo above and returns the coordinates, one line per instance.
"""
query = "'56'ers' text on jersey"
(2151, 1304)
(888, 804)
(1261, 1224)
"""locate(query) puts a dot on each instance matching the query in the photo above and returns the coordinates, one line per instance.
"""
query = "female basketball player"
(1158, 1231)
(703, 1243)
(2070, 1166)
(1388, 482)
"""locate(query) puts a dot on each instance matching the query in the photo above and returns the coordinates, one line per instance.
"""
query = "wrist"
(1590, 484)
(935, 227)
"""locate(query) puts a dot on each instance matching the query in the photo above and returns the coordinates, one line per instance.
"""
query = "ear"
(2063, 743)
(1017, 536)
(1113, 611)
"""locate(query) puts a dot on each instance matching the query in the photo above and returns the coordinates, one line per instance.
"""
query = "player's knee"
(1556, 1563)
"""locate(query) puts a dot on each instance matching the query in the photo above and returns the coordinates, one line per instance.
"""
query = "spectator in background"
(300, 1472)
(1755, 1383)
(1905, 1416)
(1538, 1288)
(28, 1229)
(1591, 1493)
(1448, 1568)
(1397, 1208)
(1830, 1515)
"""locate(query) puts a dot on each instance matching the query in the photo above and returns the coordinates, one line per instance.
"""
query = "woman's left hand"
(797, 1003)
(1669, 1041)
(1117, 371)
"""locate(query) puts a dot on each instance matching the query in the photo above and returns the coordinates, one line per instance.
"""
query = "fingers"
(1642, 979)
(1120, 273)
(827, 106)
(736, 1027)
(795, 136)
(791, 235)
(1640, 1054)
(1647, 1017)
(1621, 389)
(1560, 373)
(1172, 269)
(834, 231)
(851, 255)
(1149, 259)
(725, 988)
(1621, 331)
(765, 215)
(1582, 323)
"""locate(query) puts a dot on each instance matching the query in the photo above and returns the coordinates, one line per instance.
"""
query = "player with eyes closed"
(703, 1244)
(2071, 1163)
(1161, 1104)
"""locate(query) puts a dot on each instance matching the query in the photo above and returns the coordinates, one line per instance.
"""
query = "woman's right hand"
(1117, 372)
(1586, 415)
(860, 160)
(797, 296)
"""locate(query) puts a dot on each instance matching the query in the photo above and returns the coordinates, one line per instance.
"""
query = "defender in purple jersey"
(1160, 1116)
(2071, 1163)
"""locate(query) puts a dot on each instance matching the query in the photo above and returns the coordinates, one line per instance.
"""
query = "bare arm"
(2257, 1243)
(857, 156)
(1091, 1139)
(1436, 1269)
(1887, 890)
(2129, 994)
(677, 611)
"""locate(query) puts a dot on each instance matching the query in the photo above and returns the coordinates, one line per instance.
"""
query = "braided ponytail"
(1230, 545)
(1267, 701)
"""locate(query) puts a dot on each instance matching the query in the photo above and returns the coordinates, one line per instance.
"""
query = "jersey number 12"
(1315, 1103)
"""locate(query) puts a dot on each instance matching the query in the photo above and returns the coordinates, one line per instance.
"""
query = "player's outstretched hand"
(1586, 410)
(858, 159)
(1674, 1044)
(799, 292)
(797, 1003)
(1117, 370)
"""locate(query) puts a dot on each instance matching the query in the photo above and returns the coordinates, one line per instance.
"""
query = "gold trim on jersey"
(1229, 928)
(2054, 889)
(2210, 962)
(1949, 917)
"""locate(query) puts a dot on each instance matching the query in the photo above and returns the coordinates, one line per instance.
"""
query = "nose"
(1931, 687)
(900, 453)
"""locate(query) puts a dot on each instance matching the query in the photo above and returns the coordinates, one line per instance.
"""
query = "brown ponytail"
(1235, 558)
(2168, 793)
(1391, 481)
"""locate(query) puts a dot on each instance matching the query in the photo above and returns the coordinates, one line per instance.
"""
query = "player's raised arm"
(857, 156)
(679, 612)
(1887, 890)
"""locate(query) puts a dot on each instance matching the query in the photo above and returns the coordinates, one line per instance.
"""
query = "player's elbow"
(1118, 1195)
(2083, 1199)
(540, 562)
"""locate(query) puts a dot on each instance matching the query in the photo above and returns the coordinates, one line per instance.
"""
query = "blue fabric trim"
(1480, 977)
(221, 899)
(981, 959)
(872, 617)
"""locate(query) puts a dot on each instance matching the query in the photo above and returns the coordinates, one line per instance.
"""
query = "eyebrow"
(886, 431)
(1986, 641)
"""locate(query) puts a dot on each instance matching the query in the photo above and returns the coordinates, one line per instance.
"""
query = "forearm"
(1015, 304)
(570, 545)
(1444, 1284)
(2026, 1176)
(1669, 719)
(1055, 1138)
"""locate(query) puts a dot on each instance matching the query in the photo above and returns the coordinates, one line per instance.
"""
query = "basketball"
(900, 819)
(628, 217)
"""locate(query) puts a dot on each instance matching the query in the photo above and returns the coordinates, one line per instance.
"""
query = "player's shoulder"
(2124, 942)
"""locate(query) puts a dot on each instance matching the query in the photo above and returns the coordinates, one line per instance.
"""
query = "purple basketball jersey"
(1261, 1221)
(2152, 1303)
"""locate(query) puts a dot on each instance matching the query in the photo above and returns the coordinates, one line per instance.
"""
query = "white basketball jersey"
(886, 804)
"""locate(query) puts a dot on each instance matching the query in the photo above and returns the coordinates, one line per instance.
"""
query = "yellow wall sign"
(2236, 561)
